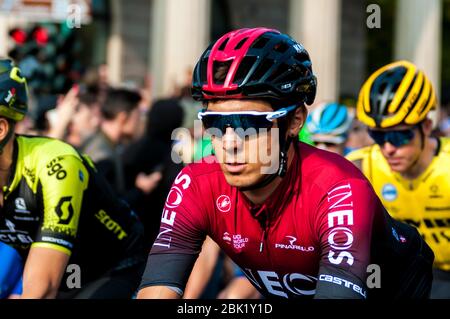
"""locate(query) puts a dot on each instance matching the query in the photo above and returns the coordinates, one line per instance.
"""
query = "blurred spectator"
(97, 79)
(443, 127)
(60, 117)
(149, 168)
(85, 121)
(120, 115)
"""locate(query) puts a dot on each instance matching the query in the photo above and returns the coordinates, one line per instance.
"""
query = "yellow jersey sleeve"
(61, 185)
(362, 159)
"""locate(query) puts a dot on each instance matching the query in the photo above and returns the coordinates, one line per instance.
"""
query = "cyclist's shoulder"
(362, 153)
(40, 148)
(441, 161)
(317, 161)
(326, 170)
(36, 155)
(203, 168)
(444, 146)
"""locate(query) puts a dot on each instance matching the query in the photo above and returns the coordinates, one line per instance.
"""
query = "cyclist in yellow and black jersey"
(408, 168)
(55, 211)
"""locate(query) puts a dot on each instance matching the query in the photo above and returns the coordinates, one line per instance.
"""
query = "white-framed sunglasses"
(242, 119)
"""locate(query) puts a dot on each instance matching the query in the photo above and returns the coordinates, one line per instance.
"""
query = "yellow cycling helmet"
(397, 93)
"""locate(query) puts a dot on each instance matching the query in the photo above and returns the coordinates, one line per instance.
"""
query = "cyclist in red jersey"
(309, 228)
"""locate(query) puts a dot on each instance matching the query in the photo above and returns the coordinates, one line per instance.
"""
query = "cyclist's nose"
(389, 148)
(231, 140)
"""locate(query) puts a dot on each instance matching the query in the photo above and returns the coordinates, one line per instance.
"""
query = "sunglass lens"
(236, 121)
(396, 138)
(377, 136)
(400, 138)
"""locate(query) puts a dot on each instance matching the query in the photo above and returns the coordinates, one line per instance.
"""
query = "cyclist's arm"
(43, 272)
(345, 233)
(203, 270)
(158, 292)
(239, 288)
(61, 184)
(176, 248)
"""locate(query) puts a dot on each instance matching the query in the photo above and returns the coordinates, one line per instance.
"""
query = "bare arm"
(64, 112)
(239, 288)
(44, 269)
(198, 280)
(157, 292)
(203, 270)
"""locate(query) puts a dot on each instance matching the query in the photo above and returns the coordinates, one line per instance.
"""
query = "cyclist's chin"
(399, 167)
(244, 178)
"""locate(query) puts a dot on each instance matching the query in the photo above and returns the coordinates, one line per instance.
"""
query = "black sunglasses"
(249, 121)
(397, 138)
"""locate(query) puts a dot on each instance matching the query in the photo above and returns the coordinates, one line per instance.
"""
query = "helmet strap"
(422, 137)
(422, 147)
(283, 159)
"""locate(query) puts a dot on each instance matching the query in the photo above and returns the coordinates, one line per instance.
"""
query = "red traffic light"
(19, 36)
(41, 36)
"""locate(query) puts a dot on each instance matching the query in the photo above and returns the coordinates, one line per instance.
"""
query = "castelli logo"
(223, 203)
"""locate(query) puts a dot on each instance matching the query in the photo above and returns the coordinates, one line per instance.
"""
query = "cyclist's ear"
(4, 128)
(427, 126)
(296, 121)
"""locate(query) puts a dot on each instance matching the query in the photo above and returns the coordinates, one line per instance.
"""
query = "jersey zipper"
(265, 225)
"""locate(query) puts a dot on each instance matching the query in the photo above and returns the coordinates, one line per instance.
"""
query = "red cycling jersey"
(313, 234)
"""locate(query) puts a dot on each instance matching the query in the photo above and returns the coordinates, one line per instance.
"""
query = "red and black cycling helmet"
(260, 63)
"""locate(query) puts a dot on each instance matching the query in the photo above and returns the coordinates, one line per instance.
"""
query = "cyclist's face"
(128, 129)
(244, 159)
(331, 147)
(86, 120)
(402, 158)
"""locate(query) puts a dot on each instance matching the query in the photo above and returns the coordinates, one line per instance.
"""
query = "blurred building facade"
(163, 38)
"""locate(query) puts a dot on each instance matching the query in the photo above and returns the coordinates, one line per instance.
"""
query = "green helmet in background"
(13, 91)
(305, 136)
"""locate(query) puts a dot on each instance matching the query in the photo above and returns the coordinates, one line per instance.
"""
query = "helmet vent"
(203, 70)
(278, 72)
(240, 44)
(221, 71)
(260, 43)
(290, 76)
(223, 45)
(262, 69)
(280, 47)
(244, 67)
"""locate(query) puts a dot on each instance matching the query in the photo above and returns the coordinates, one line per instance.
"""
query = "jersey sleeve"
(60, 188)
(344, 226)
(183, 229)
